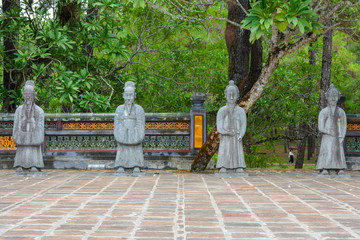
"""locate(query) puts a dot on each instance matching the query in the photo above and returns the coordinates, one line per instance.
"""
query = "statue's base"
(231, 173)
(29, 173)
(130, 173)
(332, 175)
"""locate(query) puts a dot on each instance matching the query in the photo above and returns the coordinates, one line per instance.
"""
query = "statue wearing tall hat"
(231, 124)
(332, 125)
(129, 132)
(28, 132)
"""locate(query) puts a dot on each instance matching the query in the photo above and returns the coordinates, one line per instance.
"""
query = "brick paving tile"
(250, 235)
(112, 234)
(293, 235)
(68, 233)
(89, 205)
(106, 238)
(154, 234)
(62, 238)
(25, 232)
(16, 238)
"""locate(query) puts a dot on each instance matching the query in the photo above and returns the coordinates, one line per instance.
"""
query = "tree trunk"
(309, 148)
(301, 145)
(255, 68)
(12, 79)
(312, 61)
(238, 44)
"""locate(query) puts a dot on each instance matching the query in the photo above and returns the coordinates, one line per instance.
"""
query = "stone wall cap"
(100, 115)
(198, 96)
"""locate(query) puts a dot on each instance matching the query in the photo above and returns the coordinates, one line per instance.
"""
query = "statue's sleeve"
(321, 122)
(119, 129)
(343, 123)
(138, 133)
(242, 122)
(38, 135)
(16, 128)
(220, 120)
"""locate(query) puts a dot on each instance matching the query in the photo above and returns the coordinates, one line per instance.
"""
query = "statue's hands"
(341, 140)
(240, 139)
(228, 133)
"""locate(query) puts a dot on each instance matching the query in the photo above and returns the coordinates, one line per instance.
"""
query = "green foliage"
(292, 94)
(290, 98)
(345, 71)
(81, 65)
(257, 159)
(293, 14)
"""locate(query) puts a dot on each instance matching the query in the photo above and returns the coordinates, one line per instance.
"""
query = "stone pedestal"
(231, 173)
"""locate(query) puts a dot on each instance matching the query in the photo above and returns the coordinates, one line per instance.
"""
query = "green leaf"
(258, 34)
(282, 25)
(301, 27)
(317, 24)
(268, 23)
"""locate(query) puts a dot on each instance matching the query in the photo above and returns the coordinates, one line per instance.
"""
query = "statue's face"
(231, 95)
(333, 98)
(29, 97)
(129, 96)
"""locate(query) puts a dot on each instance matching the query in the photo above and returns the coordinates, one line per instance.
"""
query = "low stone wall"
(86, 141)
(352, 142)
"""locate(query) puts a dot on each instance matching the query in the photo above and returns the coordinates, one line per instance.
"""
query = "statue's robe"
(231, 154)
(333, 128)
(129, 132)
(28, 134)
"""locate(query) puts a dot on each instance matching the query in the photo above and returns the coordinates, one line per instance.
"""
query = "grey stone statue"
(129, 131)
(231, 124)
(332, 125)
(28, 132)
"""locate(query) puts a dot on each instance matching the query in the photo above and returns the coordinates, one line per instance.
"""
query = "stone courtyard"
(268, 204)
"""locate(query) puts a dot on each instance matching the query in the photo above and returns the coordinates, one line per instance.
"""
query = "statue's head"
(29, 93)
(129, 94)
(231, 92)
(332, 95)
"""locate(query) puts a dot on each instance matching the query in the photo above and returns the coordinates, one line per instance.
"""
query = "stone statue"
(332, 125)
(129, 131)
(231, 124)
(28, 132)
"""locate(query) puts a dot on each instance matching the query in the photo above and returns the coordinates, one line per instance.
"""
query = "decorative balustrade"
(352, 142)
(94, 132)
(90, 137)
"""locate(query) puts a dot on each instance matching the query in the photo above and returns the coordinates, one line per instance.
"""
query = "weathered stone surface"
(332, 125)
(231, 124)
(129, 131)
(28, 132)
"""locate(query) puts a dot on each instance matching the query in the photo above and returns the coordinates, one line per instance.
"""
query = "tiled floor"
(268, 204)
